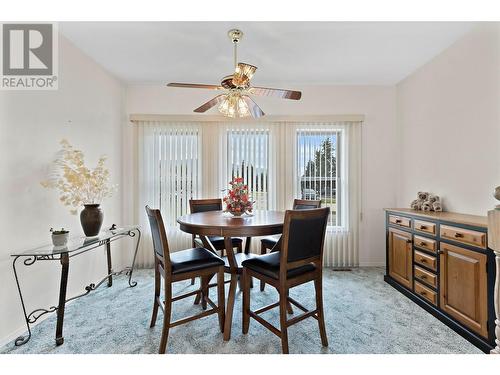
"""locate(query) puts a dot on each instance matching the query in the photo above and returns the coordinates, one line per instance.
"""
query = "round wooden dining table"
(219, 223)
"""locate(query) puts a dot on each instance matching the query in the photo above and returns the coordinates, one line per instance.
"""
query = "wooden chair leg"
(194, 245)
(204, 291)
(289, 308)
(263, 251)
(166, 317)
(248, 242)
(246, 302)
(318, 285)
(221, 303)
(230, 306)
(157, 296)
(239, 248)
(283, 319)
(197, 299)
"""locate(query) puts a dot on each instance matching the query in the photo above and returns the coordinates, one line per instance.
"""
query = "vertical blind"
(170, 175)
(248, 157)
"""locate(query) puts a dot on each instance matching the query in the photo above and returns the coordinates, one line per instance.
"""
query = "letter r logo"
(27, 49)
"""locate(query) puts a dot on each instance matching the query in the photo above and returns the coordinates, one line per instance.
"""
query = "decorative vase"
(236, 213)
(91, 219)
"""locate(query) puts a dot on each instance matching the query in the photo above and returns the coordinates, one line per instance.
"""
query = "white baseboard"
(372, 264)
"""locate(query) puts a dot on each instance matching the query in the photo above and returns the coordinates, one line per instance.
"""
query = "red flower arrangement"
(237, 201)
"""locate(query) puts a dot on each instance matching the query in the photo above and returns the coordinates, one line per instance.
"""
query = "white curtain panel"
(177, 161)
(169, 174)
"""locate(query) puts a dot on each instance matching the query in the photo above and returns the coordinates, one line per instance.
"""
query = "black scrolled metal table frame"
(64, 257)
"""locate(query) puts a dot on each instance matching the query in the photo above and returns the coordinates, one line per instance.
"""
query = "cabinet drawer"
(424, 226)
(466, 236)
(424, 243)
(400, 220)
(425, 260)
(426, 293)
(425, 276)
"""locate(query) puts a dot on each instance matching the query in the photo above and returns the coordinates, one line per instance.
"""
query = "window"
(248, 157)
(318, 169)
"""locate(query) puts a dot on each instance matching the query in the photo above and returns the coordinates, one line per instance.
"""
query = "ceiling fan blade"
(211, 103)
(253, 107)
(243, 73)
(195, 86)
(279, 93)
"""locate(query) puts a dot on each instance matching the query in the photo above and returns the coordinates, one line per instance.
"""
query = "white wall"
(379, 134)
(449, 122)
(88, 111)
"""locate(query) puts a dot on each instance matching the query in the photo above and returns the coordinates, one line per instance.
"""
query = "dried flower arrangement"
(77, 184)
(238, 201)
(427, 202)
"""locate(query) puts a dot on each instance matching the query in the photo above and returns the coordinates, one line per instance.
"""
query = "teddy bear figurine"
(427, 202)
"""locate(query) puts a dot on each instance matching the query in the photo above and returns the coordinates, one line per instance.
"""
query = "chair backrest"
(204, 205)
(306, 204)
(303, 237)
(160, 243)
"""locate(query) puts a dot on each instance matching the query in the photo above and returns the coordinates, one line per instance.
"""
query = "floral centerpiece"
(80, 186)
(237, 200)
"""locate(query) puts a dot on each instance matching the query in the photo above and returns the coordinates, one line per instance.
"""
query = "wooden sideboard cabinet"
(441, 261)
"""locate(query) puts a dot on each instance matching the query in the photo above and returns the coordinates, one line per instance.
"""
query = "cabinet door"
(400, 257)
(463, 286)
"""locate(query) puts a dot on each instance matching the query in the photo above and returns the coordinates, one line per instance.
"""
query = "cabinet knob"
(398, 221)
(423, 277)
(423, 227)
(423, 260)
(408, 241)
(458, 235)
(423, 293)
(422, 243)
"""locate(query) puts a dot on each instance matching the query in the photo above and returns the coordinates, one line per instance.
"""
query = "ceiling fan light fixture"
(234, 106)
(243, 109)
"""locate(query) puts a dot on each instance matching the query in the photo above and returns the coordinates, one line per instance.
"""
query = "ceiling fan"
(235, 101)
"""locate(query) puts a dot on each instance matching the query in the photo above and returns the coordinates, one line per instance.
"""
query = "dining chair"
(267, 243)
(178, 266)
(204, 205)
(299, 261)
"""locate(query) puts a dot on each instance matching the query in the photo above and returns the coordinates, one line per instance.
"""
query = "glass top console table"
(75, 246)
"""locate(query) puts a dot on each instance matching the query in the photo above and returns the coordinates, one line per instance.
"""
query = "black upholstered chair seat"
(269, 265)
(269, 242)
(193, 259)
(218, 242)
